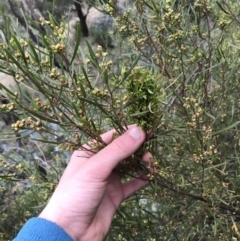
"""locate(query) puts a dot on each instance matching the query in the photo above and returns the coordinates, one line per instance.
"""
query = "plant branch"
(82, 18)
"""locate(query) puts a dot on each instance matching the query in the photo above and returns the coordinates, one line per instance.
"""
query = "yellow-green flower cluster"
(19, 77)
(175, 36)
(143, 91)
(28, 123)
(54, 74)
(105, 64)
(57, 30)
(223, 24)
(126, 25)
(7, 107)
(110, 7)
(204, 5)
(100, 93)
(41, 106)
(171, 17)
(58, 48)
(69, 146)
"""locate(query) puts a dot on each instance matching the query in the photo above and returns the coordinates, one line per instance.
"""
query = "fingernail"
(135, 133)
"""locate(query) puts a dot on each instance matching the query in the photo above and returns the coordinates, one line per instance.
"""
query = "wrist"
(72, 226)
(58, 218)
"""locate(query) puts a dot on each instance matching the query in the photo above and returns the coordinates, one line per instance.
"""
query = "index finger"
(122, 147)
(81, 156)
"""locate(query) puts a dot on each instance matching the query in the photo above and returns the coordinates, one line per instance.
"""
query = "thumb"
(119, 149)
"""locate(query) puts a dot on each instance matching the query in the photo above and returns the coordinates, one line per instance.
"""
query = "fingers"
(135, 184)
(119, 149)
(132, 186)
(106, 138)
(81, 156)
(83, 153)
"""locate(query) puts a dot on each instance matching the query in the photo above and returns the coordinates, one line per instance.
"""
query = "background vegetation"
(172, 67)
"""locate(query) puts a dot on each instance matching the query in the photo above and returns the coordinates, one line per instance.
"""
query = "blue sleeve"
(39, 229)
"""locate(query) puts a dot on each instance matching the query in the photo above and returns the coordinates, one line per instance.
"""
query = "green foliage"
(175, 72)
(143, 95)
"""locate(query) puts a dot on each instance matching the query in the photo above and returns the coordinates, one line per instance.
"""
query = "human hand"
(90, 192)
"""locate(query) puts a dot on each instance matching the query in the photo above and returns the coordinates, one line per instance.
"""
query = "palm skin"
(90, 192)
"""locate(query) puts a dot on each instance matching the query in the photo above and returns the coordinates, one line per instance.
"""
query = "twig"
(82, 18)
(197, 197)
(23, 23)
(31, 34)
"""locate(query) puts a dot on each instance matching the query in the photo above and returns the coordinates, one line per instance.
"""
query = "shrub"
(174, 72)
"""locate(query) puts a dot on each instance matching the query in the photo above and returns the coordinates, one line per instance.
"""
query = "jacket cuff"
(39, 229)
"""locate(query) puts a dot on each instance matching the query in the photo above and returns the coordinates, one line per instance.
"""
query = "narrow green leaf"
(128, 72)
(222, 201)
(40, 116)
(78, 39)
(93, 56)
(145, 2)
(34, 54)
(105, 77)
(51, 19)
(222, 8)
(12, 58)
(86, 77)
(227, 128)
(79, 83)
(48, 47)
(211, 116)
(20, 48)
(45, 141)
